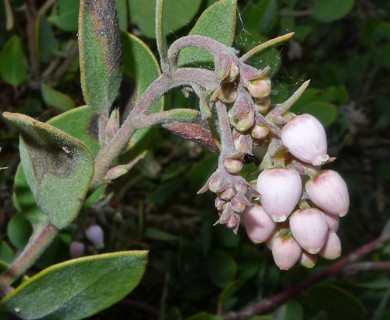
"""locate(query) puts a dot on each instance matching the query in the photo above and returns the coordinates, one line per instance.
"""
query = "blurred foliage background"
(342, 46)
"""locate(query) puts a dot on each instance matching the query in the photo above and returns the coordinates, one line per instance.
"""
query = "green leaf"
(100, 54)
(142, 67)
(46, 41)
(262, 16)
(221, 268)
(217, 22)
(82, 124)
(177, 14)
(336, 302)
(332, 10)
(58, 168)
(56, 98)
(290, 310)
(24, 199)
(201, 171)
(6, 253)
(78, 288)
(13, 67)
(19, 230)
(326, 112)
(204, 316)
(67, 15)
(122, 8)
(248, 262)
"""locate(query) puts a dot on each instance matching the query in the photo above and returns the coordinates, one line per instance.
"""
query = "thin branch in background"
(45, 7)
(342, 265)
(366, 266)
(31, 16)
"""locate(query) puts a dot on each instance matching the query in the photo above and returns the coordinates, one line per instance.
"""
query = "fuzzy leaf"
(77, 288)
(141, 65)
(217, 22)
(66, 16)
(100, 53)
(58, 168)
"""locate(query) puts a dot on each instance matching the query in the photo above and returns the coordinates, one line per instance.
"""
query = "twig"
(277, 299)
(31, 36)
(45, 7)
(366, 266)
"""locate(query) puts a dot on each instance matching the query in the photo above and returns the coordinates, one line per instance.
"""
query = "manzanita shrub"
(288, 200)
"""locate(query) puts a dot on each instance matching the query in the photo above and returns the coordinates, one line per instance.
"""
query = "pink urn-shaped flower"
(329, 192)
(258, 224)
(332, 247)
(309, 229)
(286, 251)
(305, 138)
(280, 190)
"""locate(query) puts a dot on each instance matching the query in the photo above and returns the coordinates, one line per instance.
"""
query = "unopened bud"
(227, 194)
(329, 191)
(258, 224)
(219, 203)
(332, 221)
(233, 73)
(280, 190)
(305, 138)
(233, 165)
(309, 228)
(76, 249)
(332, 247)
(238, 205)
(259, 132)
(95, 234)
(308, 260)
(260, 88)
(286, 251)
(243, 143)
(245, 122)
(263, 105)
(227, 93)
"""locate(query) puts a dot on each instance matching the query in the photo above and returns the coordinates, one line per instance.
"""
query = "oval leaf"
(325, 112)
(332, 10)
(140, 65)
(56, 98)
(13, 67)
(221, 268)
(177, 14)
(217, 22)
(100, 53)
(58, 168)
(66, 16)
(78, 288)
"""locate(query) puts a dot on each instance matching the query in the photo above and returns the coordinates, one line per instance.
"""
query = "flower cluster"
(299, 234)
(294, 206)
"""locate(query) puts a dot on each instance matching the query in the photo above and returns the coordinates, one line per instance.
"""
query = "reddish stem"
(278, 298)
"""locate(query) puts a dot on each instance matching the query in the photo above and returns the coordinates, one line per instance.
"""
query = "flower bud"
(227, 93)
(243, 143)
(332, 247)
(233, 222)
(280, 190)
(233, 73)
(305, 138)
(309, 228)
(239, 203)
(260, 88)
(259, 131)
(76, 249)
(219, 203)
(263, 105)
(308, 260)
(329, 192)
(245, 122)
(286, 251)
(94, 233)
(233, 165)
(332, 221)
(258, 224)
(227, 194)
